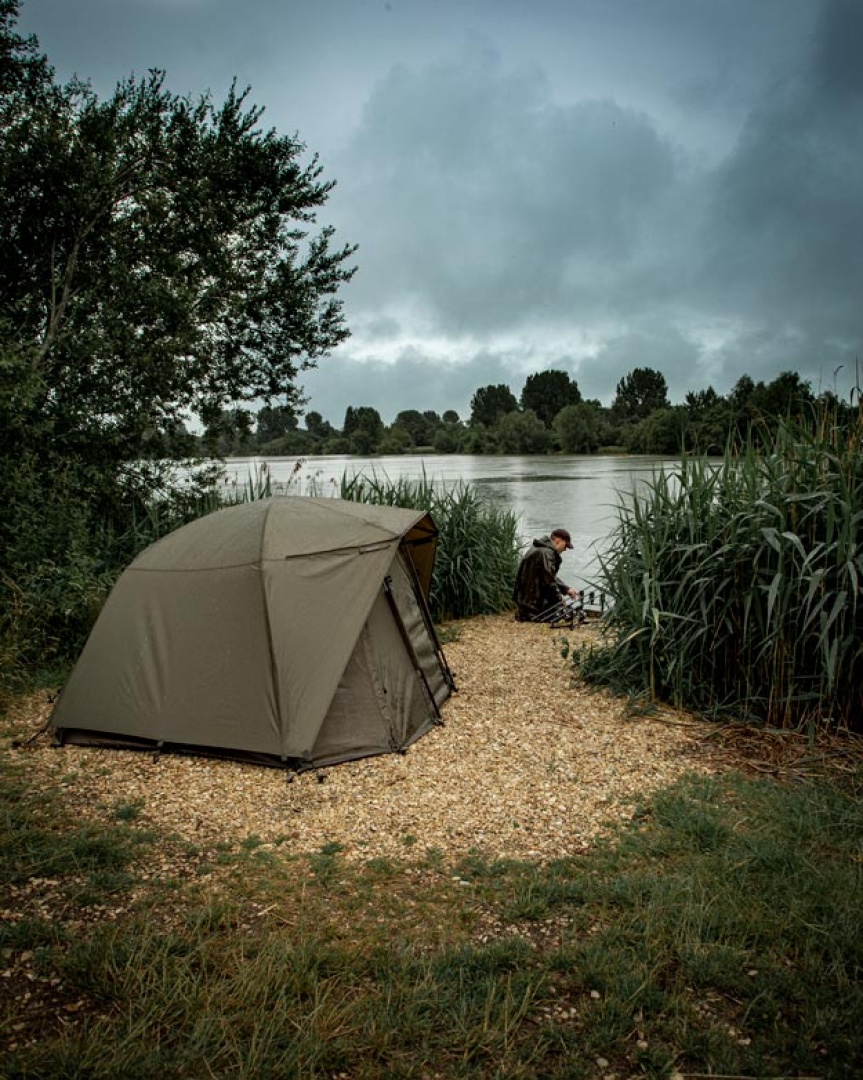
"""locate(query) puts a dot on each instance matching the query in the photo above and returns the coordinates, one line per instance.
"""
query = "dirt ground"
(526, 765)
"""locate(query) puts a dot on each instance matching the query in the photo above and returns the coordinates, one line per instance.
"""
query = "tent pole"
(427, 619)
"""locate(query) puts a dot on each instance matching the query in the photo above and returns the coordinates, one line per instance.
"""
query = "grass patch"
(720, 933)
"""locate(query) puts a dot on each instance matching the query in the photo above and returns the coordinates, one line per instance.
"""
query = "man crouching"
(537, 586)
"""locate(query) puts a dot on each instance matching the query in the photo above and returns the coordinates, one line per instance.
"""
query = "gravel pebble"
(526, 765)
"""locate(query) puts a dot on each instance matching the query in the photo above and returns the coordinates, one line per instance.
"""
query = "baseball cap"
(563, 534)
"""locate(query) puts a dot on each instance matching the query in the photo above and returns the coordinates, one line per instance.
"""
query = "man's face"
(559, 544)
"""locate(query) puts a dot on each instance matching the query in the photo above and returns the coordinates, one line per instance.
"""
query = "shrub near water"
(738, 587)
(62, 549)
(478, 545)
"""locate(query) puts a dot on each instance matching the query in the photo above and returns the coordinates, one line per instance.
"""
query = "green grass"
(720, 933)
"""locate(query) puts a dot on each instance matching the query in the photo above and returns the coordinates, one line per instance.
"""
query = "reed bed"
(478, 544)
(737, 585)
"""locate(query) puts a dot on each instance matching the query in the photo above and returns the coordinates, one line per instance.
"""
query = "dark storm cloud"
(589, 210)
(481, 199)
(837, 75)
(785, 213)
(487, 208)
(556, 233)
(554, 183)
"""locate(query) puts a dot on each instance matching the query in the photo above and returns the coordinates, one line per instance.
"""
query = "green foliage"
(708, 422)
(737, 586)
(23, 69)
(63, 557)
(478, 544)
(490, 403)
(174, 235)
(639, 394)
(547, 392)
(395, 441)
(522, 433)
(478, 555)
(274, 422)
(448, 438)
(363, 428)
(787, 396)
(662, 432)
(479, 439)
(159, 262)
(294, 444)
(578, 428)
(317, 426)
(420, 426)
(640, 421)
(228, 432)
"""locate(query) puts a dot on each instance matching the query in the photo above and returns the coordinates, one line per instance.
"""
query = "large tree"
(758, 407)
(547, 392)
(158, 260)
(274, 422)
(788, 395)
(317, 426)
(708, 421)
(640, 393)
(22, 67)
(490, 403)
(419, 426)
(364, 428)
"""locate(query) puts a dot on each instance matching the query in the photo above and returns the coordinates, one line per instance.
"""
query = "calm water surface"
(577, 493)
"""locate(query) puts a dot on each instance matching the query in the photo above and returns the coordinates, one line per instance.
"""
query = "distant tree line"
(549, 416)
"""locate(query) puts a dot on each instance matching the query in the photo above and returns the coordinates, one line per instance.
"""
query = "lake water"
(579, 493)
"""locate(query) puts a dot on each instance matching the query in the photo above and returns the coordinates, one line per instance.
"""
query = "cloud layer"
(578, 184)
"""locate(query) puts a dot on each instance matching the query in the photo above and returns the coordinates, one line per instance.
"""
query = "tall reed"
(738, 586)
(478, 543)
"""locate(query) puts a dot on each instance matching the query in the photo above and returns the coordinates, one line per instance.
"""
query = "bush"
(67, 536)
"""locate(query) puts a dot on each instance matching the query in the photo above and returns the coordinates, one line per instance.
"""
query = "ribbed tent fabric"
(293, 630)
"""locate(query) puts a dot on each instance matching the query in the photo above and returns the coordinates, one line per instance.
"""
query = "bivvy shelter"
(292, 630)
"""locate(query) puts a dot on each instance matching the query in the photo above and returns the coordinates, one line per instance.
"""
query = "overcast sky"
(588, 185)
